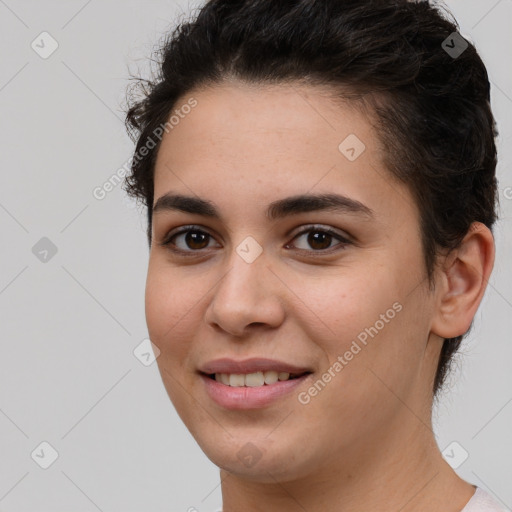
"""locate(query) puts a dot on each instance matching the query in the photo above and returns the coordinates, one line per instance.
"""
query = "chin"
(259, 460)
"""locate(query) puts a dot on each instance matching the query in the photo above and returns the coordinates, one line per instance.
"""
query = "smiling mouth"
(255, 379)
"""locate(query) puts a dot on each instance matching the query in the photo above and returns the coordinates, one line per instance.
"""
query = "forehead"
(294, 119)
(255, 144)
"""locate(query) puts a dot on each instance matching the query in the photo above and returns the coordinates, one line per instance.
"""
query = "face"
(339, 293)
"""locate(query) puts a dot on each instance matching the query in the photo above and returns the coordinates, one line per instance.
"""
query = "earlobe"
(464, 277)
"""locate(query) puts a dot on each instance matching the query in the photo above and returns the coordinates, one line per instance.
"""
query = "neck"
(399, 470)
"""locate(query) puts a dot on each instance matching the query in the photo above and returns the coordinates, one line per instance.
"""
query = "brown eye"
(320, 239)
(188, 240)
(196, 239)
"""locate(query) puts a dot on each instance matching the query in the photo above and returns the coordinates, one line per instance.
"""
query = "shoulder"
(482, 501)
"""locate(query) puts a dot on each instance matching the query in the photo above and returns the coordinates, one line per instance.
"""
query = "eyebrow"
(281, 208)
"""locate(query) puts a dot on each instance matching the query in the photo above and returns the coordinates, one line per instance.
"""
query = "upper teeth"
(251, 379)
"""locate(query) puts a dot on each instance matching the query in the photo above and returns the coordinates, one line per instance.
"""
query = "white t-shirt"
(482, 501)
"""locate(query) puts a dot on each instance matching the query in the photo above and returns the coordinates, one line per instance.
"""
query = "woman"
(320, 186)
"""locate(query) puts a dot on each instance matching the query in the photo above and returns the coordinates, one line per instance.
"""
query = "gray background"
(69, 325)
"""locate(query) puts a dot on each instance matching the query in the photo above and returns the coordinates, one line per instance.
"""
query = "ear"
(462, 281)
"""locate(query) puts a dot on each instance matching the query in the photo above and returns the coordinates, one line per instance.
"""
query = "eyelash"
(167, 242)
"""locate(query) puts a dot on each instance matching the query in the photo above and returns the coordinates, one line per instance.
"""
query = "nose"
(248, 296)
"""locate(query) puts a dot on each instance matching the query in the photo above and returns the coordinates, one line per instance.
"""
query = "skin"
(366, 439)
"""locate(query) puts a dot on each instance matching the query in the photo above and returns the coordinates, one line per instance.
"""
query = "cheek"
(159, 304)
(346, 304)
(167, 306)
(359, 326)
(171, 316)
(365, 319)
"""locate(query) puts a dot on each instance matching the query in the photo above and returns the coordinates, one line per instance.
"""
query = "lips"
(252, 365)
(244, 398)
